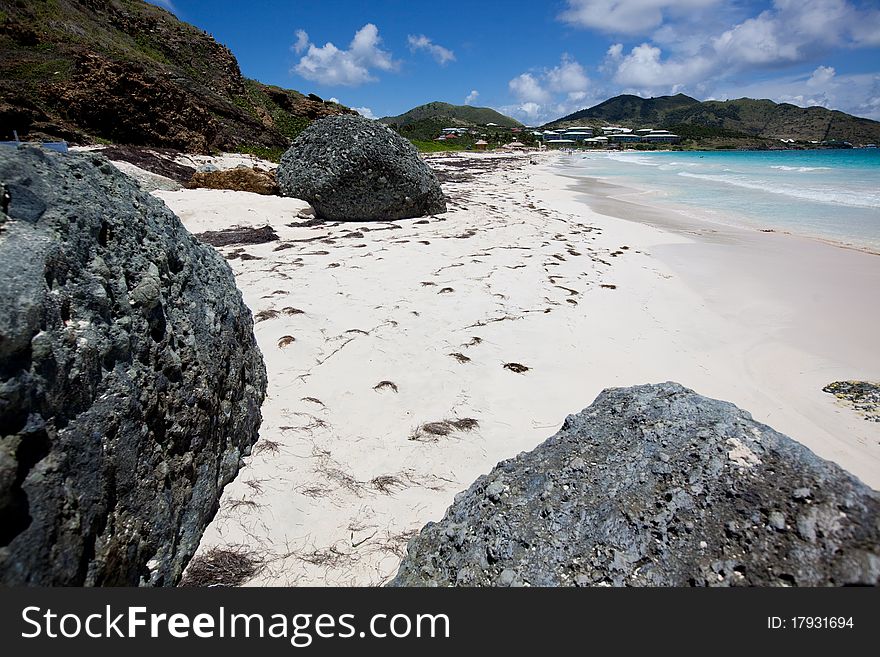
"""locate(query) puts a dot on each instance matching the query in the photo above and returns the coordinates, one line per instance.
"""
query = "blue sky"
(538, 60)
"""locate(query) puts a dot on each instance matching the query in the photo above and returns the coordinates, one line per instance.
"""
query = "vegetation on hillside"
(738, 121)
(626, 109)
(452, 116)
(424, 133)
(130, 72)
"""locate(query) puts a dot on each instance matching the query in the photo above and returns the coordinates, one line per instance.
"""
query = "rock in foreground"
(351, 168)
(130, 380)
(655, 485)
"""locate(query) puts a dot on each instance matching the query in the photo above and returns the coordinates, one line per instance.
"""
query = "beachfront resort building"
(582, 136)
(558, 142)
(625, 139)
(661, 137)
(578, 133)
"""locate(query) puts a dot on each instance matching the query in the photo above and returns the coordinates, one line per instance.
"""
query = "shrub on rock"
(240, 179)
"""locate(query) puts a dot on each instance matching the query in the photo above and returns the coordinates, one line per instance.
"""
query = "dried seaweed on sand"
(223, 566)
(430, 432)
(238, 235)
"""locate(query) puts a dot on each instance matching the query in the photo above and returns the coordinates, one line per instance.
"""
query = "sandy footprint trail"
(397, 356)
(407, 358)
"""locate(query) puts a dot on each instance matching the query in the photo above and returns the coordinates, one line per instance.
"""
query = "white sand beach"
(371, 331)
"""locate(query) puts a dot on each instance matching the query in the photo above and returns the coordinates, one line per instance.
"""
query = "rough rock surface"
(862, 396)
(655, 485)
(239, 179)
(130, 380)
(352, 168)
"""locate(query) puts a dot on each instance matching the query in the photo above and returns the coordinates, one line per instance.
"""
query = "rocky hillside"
(745, 116)
(452, 116)
(130, 72)
(631, 109)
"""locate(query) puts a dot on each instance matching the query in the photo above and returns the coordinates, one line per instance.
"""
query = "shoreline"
(783, 283)
(519, 270)
(599, 194)
(723, 196)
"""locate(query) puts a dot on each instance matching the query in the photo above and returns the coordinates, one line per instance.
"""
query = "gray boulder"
(130, 380)
(655, 485)
(352, 168)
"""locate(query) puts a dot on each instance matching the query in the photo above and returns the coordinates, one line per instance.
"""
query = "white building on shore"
(661, 136)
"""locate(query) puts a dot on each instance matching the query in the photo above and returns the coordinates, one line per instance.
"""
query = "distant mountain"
(744, 116)
(453, 115)
(633, 109)
(129, 72)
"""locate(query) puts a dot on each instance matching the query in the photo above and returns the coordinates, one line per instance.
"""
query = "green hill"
(741, 118)
(452, 116)
(631, 109)
(129, 72)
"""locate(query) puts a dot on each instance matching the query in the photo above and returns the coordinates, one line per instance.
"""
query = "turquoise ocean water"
(830, 194)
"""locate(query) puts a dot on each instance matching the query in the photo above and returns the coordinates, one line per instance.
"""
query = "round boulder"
(354, 169)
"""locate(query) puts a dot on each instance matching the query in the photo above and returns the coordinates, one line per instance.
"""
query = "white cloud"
(628, 16)
(821, 76)
(797, 30)
(790, 32)
(548, 93)
(763, 40)
(532, 113)
(568, 77)
(329, 65)
(528, 89)
(866, 31)
(365, 47)
(709, 47)
(471, 97)
(440, 54)
(529, 110)
(643, 68)
(365, 112)
(857, 94)
(302, 42)
(539, 86)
